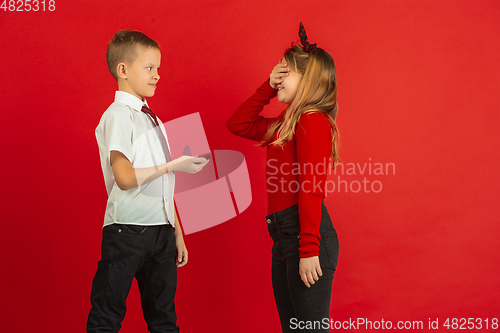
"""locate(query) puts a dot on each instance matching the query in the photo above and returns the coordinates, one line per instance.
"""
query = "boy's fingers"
(200, 166)
(182, 263)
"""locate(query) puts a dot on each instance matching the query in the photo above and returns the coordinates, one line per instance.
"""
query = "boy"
(142, 238)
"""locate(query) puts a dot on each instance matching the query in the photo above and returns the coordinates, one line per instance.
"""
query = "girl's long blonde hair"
(317, 92)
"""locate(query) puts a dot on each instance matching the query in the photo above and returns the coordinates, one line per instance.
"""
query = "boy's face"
(140, 77)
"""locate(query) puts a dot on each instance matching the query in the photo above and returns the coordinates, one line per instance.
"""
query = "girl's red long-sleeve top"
(296, 172)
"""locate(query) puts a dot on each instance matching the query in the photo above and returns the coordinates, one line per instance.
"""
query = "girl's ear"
(121, 70)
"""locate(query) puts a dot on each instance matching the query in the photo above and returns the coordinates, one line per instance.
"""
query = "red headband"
(308, 47)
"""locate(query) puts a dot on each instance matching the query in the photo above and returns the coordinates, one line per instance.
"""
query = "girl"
(299, 144)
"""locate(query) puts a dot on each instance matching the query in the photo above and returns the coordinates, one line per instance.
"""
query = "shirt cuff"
(308, 254)
(309, 246)
(270, 90)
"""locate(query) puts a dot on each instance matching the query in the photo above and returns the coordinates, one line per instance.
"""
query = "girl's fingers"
(276, 79)
(281, 74)
(281, 69)
(320, 272)
(313, 277)
(310, 278)
(278, 76)
(304, 279)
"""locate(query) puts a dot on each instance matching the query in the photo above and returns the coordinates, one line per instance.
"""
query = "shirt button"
(268, 221)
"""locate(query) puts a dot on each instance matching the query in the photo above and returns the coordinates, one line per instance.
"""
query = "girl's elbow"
(230, 126)
(234, 128)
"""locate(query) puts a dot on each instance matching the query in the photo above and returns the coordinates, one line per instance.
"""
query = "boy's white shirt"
(125, 128)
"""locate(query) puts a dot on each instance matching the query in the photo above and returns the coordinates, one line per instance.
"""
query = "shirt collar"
(130, 100)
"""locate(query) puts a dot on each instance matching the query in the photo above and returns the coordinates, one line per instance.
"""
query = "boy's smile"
(140, 77)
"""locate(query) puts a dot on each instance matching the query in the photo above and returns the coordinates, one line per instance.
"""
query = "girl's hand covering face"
(279, 71)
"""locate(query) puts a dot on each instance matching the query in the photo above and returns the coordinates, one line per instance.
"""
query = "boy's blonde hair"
(317, 92)
(123, 48)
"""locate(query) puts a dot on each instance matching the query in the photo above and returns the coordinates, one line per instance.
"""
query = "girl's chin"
(282, 100)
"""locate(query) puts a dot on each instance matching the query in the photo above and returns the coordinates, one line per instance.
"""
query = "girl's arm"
(246, 122)
(314, 144)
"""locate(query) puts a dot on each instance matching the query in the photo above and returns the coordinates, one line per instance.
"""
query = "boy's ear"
(121, 70)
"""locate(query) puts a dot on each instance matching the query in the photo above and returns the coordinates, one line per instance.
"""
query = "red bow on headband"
(308, 47)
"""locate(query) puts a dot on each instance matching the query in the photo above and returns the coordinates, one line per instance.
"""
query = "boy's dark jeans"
(147, 254)
(295, 302)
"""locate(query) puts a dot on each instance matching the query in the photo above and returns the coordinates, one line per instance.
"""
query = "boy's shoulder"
(124, 104)
(118, 115)
(118, 109)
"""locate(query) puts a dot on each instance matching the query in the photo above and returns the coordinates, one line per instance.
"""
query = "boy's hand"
(182, 252)
(280, 70)
(189, 164)
(310, 270)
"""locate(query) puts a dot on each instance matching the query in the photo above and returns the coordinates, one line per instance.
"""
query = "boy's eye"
(150, 68)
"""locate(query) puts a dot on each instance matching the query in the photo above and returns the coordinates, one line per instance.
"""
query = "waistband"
(287, 212)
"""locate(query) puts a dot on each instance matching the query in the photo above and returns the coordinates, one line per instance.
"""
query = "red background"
(418, 87)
